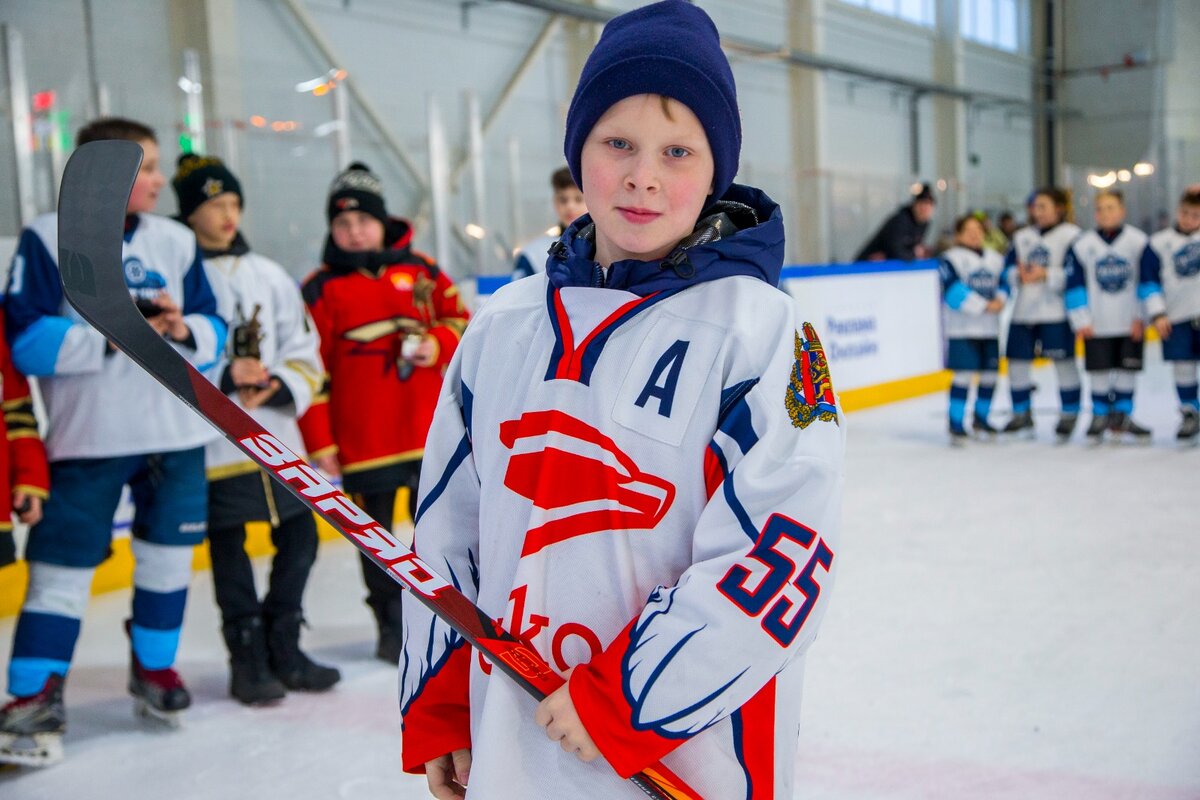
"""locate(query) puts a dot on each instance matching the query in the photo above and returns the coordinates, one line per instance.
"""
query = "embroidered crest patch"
(212, 187)
(810, 390)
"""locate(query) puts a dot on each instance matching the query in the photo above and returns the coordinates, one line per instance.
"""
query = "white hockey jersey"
(98, 402)
(246, 283)
(643, 481)
(970, 280)
(1170, 275)
(531, 258)
(1040, 302)
(1102, 280)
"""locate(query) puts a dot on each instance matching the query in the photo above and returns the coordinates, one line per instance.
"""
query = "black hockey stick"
(91, 212)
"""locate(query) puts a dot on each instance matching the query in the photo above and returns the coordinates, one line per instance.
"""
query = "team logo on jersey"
(1187, 260)
(983, 283)
(1039, 256)
(810, 391)
(142, 282)
(578, 479)
(1112, 273)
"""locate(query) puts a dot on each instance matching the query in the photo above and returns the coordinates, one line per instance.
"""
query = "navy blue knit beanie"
(670, 48)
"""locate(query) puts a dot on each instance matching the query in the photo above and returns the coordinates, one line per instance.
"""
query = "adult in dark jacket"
(901, 237)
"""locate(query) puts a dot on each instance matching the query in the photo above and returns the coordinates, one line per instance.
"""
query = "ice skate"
(958, 434)
(1123, 425)
(1021, 425)
(1189, 428)
(1065, 427)
(1095, 431)
(983, 430)
(31, 728)
(159, 694)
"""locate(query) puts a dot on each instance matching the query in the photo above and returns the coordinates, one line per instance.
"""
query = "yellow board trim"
(117, 571)
(894, 391)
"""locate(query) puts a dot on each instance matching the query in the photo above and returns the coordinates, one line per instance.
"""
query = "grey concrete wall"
(399, 51)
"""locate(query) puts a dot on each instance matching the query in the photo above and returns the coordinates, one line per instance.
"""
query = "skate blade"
(46, 750)
(166, 719)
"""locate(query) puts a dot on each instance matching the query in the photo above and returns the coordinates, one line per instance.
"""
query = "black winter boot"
(296, 670)
(250, 678)
(388, 618)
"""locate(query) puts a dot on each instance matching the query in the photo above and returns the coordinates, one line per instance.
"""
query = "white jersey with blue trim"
(531, 258)
(1102, 280)
(1170, 275)
(251, 286)
(651, 489)
(1040, 302)
(99, 403)
(971, 280)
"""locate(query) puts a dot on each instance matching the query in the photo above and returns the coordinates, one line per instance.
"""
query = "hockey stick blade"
(96, 185)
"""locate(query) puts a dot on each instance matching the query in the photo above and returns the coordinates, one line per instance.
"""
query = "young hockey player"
(636, 463)
(389, 321)
(1101, 297)
(1170, 288)
(110, 424)
(272, 370)
(975, 296)
(568, 207)
(22, 457)
(1039, 320)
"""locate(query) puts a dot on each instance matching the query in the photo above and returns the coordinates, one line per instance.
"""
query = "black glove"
(8, 548)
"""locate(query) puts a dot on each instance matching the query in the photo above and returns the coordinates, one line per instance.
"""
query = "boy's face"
(569, 205)
(357, 232)
(149, 181)
(971, 234)
(216, 221)
(1043, 211)
(645, 178)
(1188, 218)
(1109, 213)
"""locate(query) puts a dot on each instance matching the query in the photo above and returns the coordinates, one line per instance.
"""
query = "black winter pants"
(295, 543)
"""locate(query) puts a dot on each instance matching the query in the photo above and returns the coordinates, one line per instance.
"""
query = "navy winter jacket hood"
(740, 234)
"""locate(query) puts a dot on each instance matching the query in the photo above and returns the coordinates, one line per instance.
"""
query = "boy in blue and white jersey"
(1170, 288)
(1101, 297)
(1039, 321)
(110, 425)
(974, 295)
(568, 207)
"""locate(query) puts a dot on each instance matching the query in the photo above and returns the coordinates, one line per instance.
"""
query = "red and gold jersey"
(378, 405)
(22, 455)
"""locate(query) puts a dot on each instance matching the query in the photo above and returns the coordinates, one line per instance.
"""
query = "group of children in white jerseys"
(1104, 286)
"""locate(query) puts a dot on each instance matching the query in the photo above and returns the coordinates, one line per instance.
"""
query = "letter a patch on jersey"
(810, 390)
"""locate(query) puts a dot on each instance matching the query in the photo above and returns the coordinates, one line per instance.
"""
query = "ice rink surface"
(1011, 620)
